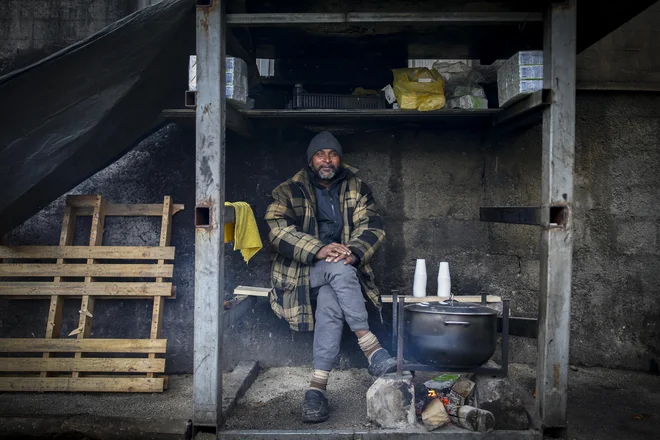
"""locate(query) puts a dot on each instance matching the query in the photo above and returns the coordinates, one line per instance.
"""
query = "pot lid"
(451, 308)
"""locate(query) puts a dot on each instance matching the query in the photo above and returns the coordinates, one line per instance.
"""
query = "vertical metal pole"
(557, 238)
(395, 317)
(505, 337)
(399, 345)
(209, 213)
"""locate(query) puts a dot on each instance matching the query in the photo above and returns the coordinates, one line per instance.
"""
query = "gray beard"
(327, 176)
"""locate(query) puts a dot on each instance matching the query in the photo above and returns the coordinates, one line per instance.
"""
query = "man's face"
(325, 164)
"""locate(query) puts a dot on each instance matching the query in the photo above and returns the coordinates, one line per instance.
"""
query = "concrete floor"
(603, 405)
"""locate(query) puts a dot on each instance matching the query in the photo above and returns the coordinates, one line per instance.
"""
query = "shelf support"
(558, 152)
(449, 18)
(526, 112)
(210, 118)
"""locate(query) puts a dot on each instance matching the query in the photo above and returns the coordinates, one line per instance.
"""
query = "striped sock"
(319, 380)
(369, 345)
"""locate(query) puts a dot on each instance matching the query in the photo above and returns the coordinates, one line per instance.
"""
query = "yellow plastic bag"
(419, 88)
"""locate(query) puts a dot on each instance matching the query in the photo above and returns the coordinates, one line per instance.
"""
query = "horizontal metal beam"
(524, 327)
(447, 432)
(235, 120)
(294, 19)
(522, 215)
(533, 103)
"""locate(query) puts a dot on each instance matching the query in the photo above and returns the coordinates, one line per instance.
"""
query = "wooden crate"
(66, 276)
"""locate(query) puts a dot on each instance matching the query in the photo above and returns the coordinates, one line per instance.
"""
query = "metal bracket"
(553, 216)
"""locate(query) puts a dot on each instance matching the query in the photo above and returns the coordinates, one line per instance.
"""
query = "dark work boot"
(315, 407)
(382, 363)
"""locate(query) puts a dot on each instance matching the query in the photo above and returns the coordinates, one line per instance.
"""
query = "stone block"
(502, 399)
(391, 401)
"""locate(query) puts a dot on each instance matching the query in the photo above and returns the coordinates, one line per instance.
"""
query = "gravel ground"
(174, 403)
(603, 404)
(274, 401)
(606, 404)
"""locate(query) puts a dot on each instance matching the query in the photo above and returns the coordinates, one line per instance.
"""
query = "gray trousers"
(339, 299)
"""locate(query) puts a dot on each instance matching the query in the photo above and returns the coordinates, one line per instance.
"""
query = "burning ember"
(432, 394)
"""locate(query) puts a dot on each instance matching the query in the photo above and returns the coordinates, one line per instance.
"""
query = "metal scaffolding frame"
(554, 216)
(209, 214)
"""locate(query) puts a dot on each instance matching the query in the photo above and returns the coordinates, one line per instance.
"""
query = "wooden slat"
(83, 384)
(54, 322)
(461, 298)
(85, 252)
(252, 291)
(29, 345)
(86, 270)
(90, 365)
(137, 210)
(87, 302)
(157, 311)
(39, 289)
(82, 201)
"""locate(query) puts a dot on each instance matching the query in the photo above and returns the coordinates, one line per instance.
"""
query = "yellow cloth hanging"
(243, 232)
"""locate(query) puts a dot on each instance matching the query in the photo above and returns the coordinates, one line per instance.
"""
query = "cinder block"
(529, 274)
(637, 237)
(635, 202)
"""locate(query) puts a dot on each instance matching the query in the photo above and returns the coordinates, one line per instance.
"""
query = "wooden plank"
(135, 210)
(157, 311)
(252, 291)
(30, 345)
(82, 201)
(85, 252)
(54, 322)
(91, 365)
(86, 270)
(84, 384)
(461, 298)
(39, 289)
(87, 302)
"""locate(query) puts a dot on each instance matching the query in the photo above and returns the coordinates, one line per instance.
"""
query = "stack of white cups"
(419, 285)
(444, 280)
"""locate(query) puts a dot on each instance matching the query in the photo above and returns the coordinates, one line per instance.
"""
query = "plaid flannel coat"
(294, 242)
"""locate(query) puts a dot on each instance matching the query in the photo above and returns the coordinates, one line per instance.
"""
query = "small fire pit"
(449, 398)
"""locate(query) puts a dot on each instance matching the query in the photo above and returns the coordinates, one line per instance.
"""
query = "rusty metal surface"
(557, 171)
(209, 193)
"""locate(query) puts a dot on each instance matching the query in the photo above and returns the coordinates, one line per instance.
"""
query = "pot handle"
(465, 323)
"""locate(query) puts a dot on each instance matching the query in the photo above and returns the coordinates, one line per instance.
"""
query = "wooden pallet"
(74, 272)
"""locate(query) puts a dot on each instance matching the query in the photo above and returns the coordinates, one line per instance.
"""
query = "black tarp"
(73, 113)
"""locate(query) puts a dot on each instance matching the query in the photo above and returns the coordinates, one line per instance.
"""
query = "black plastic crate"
(303, 100)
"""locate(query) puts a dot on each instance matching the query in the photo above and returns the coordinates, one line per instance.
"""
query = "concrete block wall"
(429, 185)
(33, 29)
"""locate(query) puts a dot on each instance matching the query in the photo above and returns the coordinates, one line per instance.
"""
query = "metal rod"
(296, 19)
(557, 171)
(505, 337)
(209, 210)
(399, 346)
(395, 316)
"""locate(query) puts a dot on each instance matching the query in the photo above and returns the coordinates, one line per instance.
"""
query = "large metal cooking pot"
(451, 334)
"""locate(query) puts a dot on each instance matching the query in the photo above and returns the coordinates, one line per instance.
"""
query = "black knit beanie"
(323, 141)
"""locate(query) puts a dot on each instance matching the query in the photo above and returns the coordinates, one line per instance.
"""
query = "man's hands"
(335, 252)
